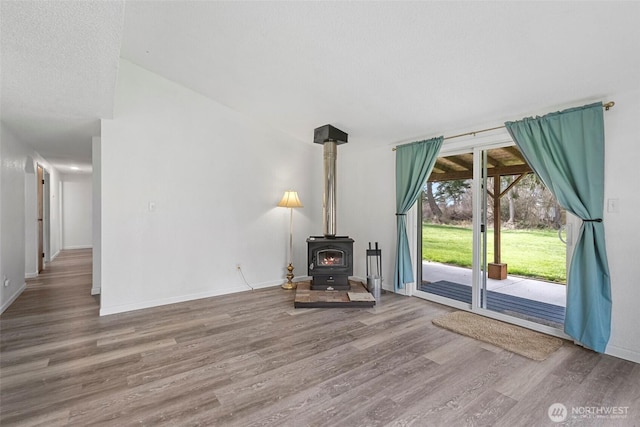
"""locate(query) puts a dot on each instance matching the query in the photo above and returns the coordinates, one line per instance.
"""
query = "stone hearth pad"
(306, 298)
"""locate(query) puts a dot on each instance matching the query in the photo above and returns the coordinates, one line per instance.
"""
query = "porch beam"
(497, 220)
(468, 174)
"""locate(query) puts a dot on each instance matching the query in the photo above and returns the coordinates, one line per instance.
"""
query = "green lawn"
(532, 253)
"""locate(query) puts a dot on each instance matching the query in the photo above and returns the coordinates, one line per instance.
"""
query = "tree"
(452, 192)
(435, 209)
(455, 197)
(511, 195)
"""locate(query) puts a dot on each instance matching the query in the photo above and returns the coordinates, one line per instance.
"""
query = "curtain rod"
(606, 106)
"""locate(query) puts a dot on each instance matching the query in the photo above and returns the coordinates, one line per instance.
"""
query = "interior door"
(40, 203)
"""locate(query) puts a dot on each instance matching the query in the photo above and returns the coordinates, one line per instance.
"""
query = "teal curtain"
(414, 163)
(566, 150)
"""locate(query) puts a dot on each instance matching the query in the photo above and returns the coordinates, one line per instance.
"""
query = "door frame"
(40, 218)
(46, 203)
(43, 217)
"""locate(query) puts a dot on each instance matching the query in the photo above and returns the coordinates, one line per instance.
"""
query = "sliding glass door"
(447, 230)
(492, 239)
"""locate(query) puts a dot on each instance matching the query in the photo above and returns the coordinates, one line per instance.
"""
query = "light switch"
(152, 206)
(612, 205)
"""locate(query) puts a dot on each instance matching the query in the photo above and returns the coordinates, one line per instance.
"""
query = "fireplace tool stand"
(374, 277)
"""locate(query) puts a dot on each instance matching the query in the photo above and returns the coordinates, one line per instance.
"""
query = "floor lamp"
(290, 200)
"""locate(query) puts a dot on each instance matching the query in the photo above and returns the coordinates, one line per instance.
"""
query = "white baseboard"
(95, 291)
(31, 275)
(66, 248)
(105, 311)
(623, 353)
(263, 285)
(12, 298)
(54, 256)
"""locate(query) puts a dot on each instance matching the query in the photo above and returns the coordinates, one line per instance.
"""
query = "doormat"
(522, 341)
(306, 298)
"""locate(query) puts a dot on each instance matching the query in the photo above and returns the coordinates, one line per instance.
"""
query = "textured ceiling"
(385, 72)
(59, 69)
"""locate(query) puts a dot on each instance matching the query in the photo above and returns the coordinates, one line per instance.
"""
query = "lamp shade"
(290, 200)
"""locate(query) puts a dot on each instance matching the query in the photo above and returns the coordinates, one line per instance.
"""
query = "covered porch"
(530, 299)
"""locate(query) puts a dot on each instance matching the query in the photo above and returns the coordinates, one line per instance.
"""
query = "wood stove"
(329, 257)
(330, 262)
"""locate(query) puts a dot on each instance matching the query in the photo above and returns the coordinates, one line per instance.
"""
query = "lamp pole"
(289, 284)
(290, 200)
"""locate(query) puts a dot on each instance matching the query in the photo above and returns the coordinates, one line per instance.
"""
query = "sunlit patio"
(520, 296)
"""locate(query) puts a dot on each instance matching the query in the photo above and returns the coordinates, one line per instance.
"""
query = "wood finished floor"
(251, 359)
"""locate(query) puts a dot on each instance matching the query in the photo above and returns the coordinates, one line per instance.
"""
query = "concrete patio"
(536, 290)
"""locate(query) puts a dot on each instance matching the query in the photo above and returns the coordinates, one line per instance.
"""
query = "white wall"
(368, 187)
(77, 211)
(96, 220)
(213, 178)
(622, 133)
(2, 276)
(18, 216)
(14, 156)
(366, 205)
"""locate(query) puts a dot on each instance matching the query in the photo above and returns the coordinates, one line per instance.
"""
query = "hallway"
(64, 284)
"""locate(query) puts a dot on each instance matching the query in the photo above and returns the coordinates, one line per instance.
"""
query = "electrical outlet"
(7, 282)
